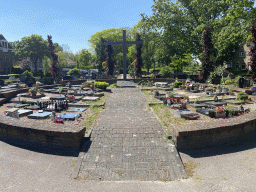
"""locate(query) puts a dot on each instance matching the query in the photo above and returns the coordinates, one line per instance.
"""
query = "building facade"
(6, 56)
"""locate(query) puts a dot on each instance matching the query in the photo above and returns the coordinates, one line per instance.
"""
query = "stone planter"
(220, 115)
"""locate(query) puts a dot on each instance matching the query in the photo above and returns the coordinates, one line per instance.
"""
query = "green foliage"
(177, 84)
(28, 74)
(24, 101)
(151, 76)
(74, 71)
(171, 95)
(142, 82)
(33, 47)
(242, 96)
(84, 59)
(112, 85)
(101, 85)
(16, 66)
(15, 75)
(165, 71)
(7, 81)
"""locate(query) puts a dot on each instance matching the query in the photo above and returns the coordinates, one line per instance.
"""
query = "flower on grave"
(70, 97)
(60, 88)
(166, 98)
(253, 88)
(220, 110)
(34, 89)
(178, 100)
(57, 120)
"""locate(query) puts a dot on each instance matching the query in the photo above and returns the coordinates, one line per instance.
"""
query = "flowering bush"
(70, 97)
(57, 120)
(220, 110)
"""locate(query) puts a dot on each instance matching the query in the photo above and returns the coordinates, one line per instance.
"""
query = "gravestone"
(49, 80)
(11, 78)
(33, 107)
(22, 78)
(73, 109)
(24, 112)
(216, 103)
(12, 112)
(30, 81)
(1, 82)
(90, 98)
(40, 115)
(241, 82)
(18, 105)
(70, 116)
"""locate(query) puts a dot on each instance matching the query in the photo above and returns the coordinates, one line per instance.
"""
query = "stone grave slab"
(83, 93)
(55, 91)
(77, 98)
(33, 107)
(18, 105)
(98, 94)
(12, 112)
(90, 98)
(24, 112)
(70, 116)
(40, 115)
(90, 93)
(219, 103)
(86, 89)
(198, 105)
(48, 90)
(61, 97)
(70, 92)
(235, 102)
(180, 96)
(187, 114)
(73, 109)
(176, 106)
(203, 111)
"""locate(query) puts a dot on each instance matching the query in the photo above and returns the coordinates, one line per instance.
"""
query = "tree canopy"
(33, 47)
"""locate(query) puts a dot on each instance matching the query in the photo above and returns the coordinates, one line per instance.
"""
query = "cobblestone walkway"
(128, 143)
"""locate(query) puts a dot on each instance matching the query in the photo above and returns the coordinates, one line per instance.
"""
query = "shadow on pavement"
(49, 150)
(220, 150)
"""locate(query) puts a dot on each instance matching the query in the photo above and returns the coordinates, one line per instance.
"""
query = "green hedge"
(177, 84)
(9, 75)
(101, 85)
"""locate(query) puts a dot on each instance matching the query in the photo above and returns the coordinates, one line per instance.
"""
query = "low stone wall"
(40, 134)
(214, 133)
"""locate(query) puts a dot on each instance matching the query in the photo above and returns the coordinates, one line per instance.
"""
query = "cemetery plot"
(218, 103)
(198, 105)
(98, 94)
(235, 102)
(62, 97)
(73, 109)
(90, 98)
(70, 116)
(40, 115)
(18, 105)
(33, 107)
(12, 112)
(24, 112)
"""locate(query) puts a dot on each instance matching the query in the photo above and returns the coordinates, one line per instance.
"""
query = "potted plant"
(165, 100)
(156, 93)
(33, 91)
(220, 112)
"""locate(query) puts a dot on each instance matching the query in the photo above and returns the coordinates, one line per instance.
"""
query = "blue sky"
(68, 22)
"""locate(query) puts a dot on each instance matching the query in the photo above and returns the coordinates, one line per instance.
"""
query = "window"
(241, 54)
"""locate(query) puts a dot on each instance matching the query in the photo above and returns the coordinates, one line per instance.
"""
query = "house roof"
(72, 62)
(2, 38)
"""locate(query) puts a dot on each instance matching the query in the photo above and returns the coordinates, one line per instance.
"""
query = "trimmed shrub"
(165, 71)
(101, 85)
(74, 71)
(177, 84)
(151, 76)
(28, 74)
(242, 96)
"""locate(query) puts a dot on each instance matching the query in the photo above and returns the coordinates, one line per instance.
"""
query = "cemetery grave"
(40, 115)
(70, 116)
(90, 98)
(24, 112)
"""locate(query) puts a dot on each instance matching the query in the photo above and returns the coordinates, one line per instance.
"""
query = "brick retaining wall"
(215, 133)
(40, 134)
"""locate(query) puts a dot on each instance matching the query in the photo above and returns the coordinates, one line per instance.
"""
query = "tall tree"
(110, 61)
(84, 59)
(138, 57)
(101, 54)
(33, 47)
(253, 50)
(208, 54)
(55, 70)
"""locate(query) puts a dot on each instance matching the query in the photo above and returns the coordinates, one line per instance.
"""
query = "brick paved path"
(128, 143)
